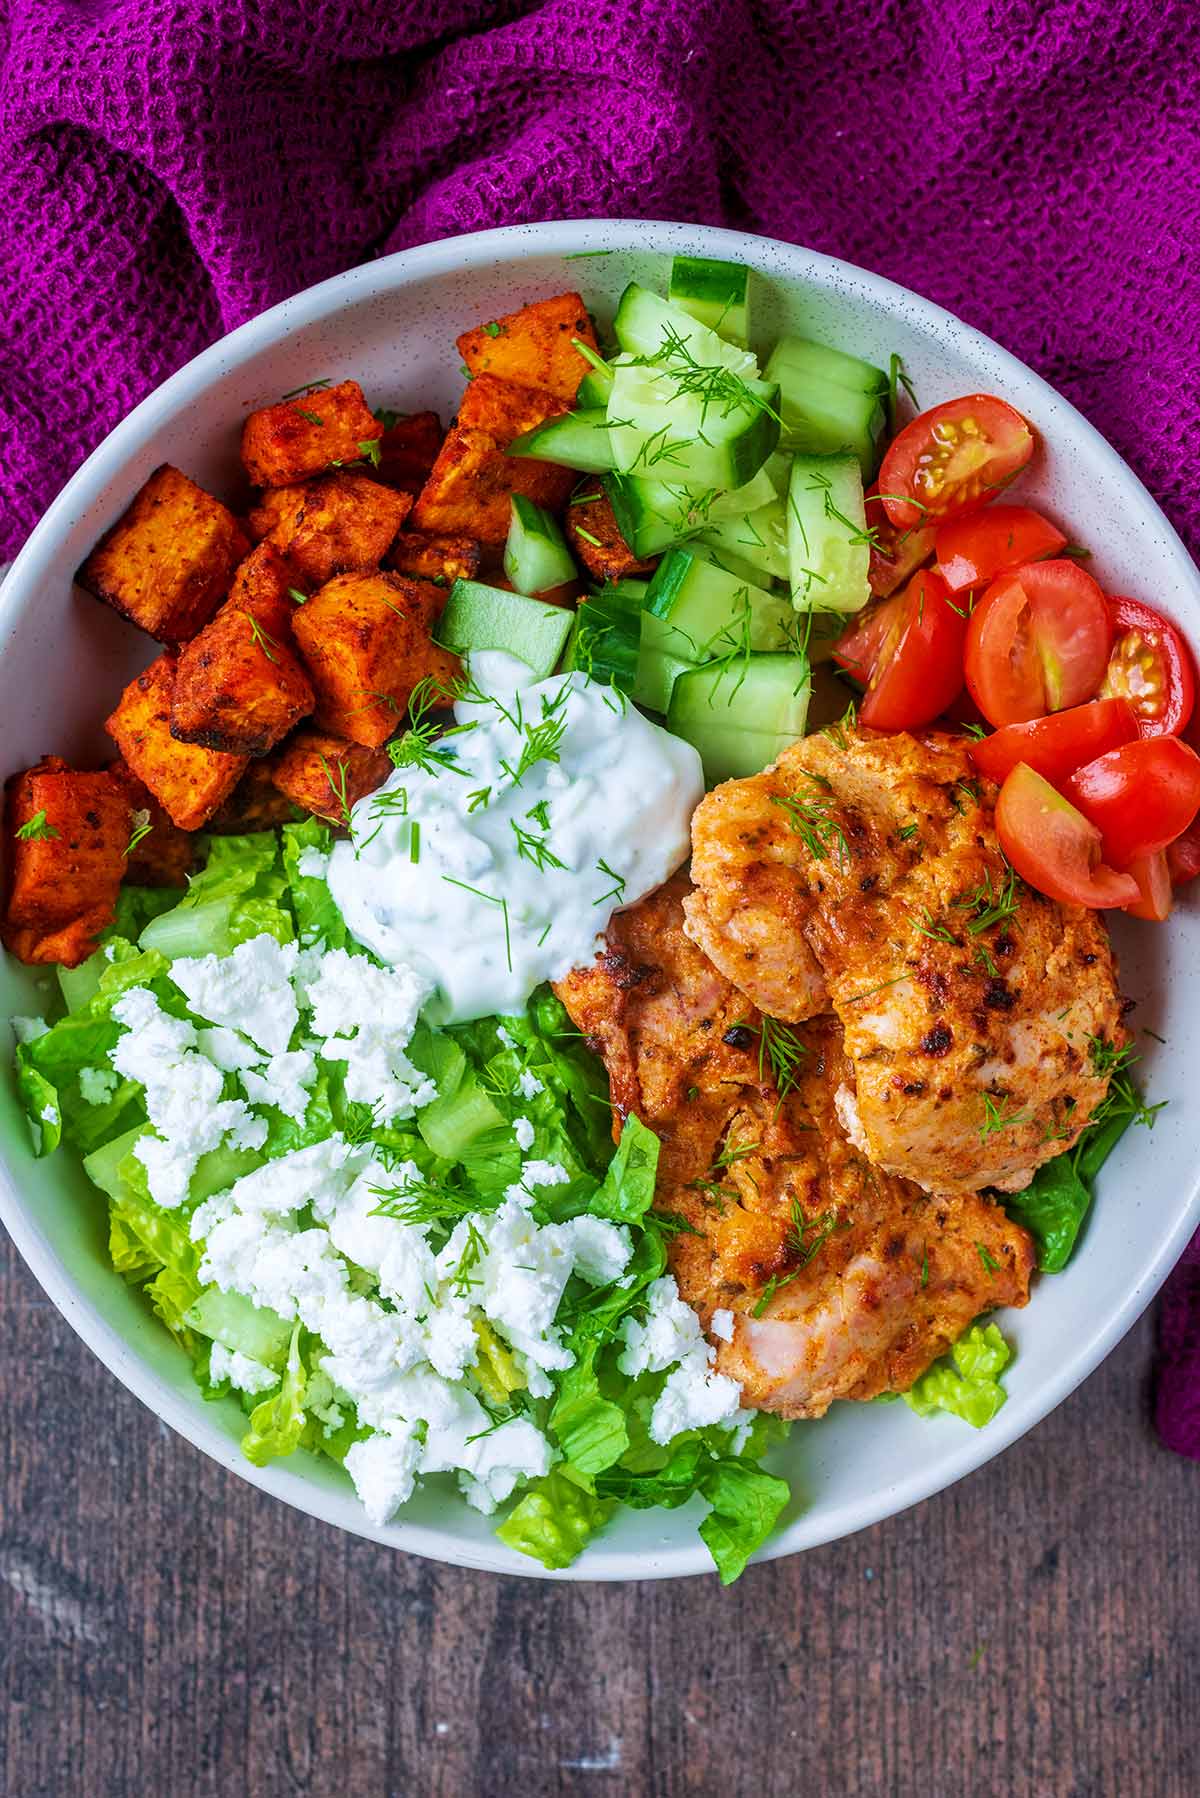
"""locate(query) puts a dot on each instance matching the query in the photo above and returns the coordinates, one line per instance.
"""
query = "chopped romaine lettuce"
(965, 1382)
(277, 1424)
(555, 1520)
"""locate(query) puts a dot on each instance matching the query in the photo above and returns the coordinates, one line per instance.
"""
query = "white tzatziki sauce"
(499, 865)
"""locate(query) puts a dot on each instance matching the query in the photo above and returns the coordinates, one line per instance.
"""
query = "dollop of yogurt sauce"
(498, 865)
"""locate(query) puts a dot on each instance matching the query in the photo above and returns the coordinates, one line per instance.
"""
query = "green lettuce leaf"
(965, 1382)
(746, 1503)
(590, 1429)
(236, 895)
(317, 917)
(555, 1520)
(627, 1190)
(277, 1424)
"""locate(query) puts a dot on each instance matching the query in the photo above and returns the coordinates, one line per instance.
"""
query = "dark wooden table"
(166, 1630)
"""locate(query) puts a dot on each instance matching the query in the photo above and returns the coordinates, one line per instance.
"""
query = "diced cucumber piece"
(652, 515)
(593, 390)
(758, 539)
(821, 413)
(691, 435)
(828, 546)
(716, 293)
(233, 1319)
(481, 617)
(713, 610)
(536, 556)
(646, 325)
(573, 440)
(733, 564)
(741, 715)
(659, 662)
(802, 360)
(606, 636)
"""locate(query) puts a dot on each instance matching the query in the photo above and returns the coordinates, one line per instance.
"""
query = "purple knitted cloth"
(169, 168)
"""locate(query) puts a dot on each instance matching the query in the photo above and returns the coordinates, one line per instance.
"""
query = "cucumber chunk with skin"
(572, 440)
(713, 610)
(828, 544)
(647, 325)
(659, 664)
(478, 617)
(715, 293)
(593, 391)
(605, 638)
(829, 401)
(757, 539)
(652, 515)
(741, 715)
(690, 424)
(536, 556)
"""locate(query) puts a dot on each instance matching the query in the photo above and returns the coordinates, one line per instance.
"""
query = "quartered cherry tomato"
(953, 459)
(1150, 666)
(1038, 642)
(972, 551)
(1054, 847)
(1153, 877)
(907, 651)
(895, 555)
(1059, 743)
(1140, 797)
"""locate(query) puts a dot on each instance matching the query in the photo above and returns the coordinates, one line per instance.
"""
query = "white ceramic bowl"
(392, 325)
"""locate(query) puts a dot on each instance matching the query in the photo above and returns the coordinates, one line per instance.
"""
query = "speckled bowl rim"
(393, 273)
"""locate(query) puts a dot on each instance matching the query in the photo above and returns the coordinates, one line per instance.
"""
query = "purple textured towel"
(169, 168)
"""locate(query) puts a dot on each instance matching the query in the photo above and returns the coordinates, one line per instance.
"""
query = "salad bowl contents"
(592, 946)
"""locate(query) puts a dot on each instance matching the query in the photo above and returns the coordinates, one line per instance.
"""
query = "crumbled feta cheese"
(242, 1371)
(541, 1173)
(528, 1084)
(451, 1342)
(250, 989)
(721, 1325)
(27, 1030)
(183, 1095)
(509, 1041)
(692, 1399)
(49, 1113)
(318, 1174)
(384, 1469)
(366, 1016)
(284, 1084)
(670, 1332)
(524, 1132)
(489, 1460)
(312, 864)
(227, 1050)
(602, 1250)
(97, 1085)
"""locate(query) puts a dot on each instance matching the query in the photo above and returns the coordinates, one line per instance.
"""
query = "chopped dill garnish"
(998, 1117)
(534, 849)
(37, 829)
(141, 829)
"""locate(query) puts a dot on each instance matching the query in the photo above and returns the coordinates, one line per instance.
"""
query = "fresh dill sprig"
(264, 640)
(420, 746)
(998, 1117)
(37, 829)
(617, 891)
(534, 849)
(339, 788)
(141, 829)
(992, 902)
(815, 822)
(783, 1051)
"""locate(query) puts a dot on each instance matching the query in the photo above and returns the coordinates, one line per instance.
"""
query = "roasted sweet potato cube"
(67, 836)
(533, 346)
(470, 487)
(325, 774)
(409, 449)
(188, 781)
(337, 522)
(167, 562)
(307, 434)
(595, 536)
(367, 640)
(160, 854)
(240, 685)
(255, 804)
(442, 560)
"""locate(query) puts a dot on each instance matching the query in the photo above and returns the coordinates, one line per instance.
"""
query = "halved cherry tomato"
(907, 651)
(1183, 856)
(1150, 666)
(1054, 847)
(895, 555)
(953, 459)
(1140, 797)
(973, 551)
(1038, 642)
(1153, 878)
(1058, 744)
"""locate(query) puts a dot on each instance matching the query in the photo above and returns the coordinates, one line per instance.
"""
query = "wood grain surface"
(166, 1630)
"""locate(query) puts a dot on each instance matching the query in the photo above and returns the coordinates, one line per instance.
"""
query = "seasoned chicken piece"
(843, 1282)
(977, 1014)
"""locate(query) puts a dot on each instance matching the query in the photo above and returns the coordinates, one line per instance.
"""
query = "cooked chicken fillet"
(971, 1005)
(844, 1281)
